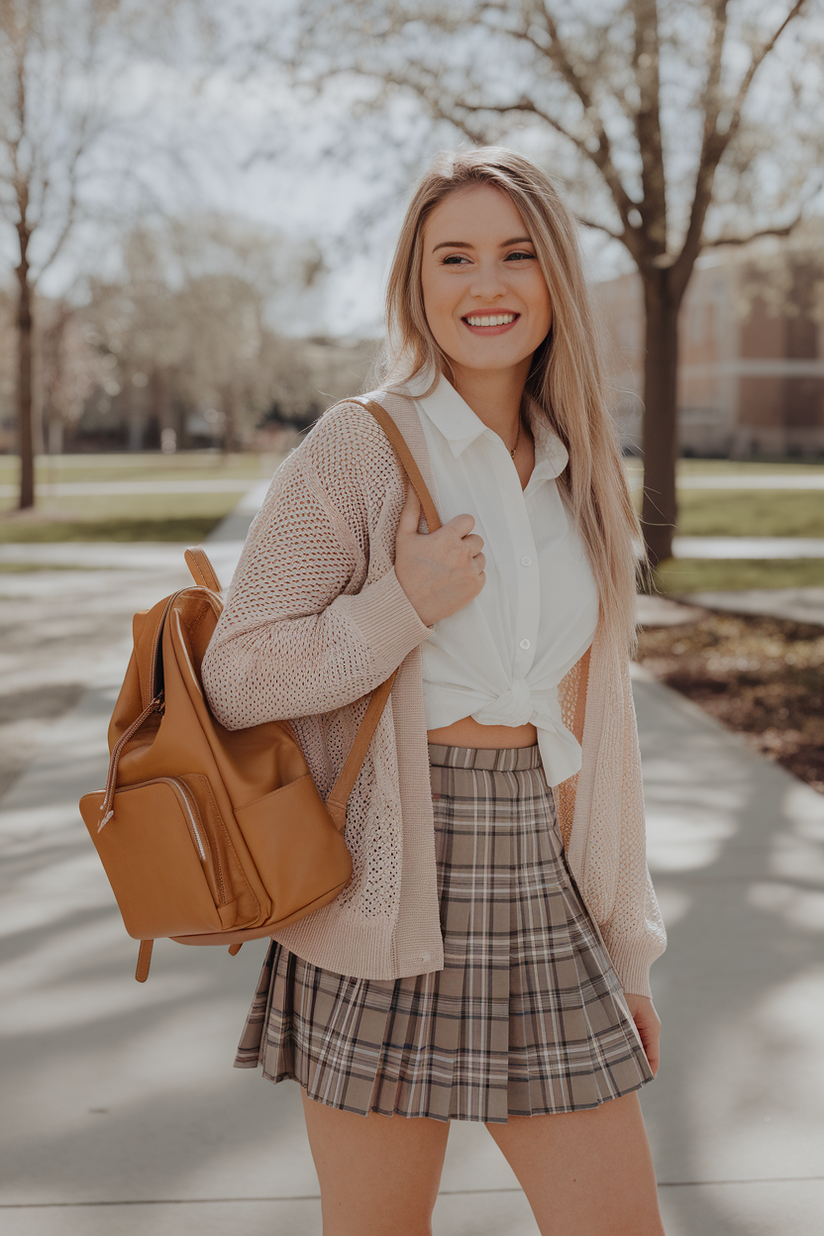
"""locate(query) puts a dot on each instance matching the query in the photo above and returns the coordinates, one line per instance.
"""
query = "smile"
(490, 319)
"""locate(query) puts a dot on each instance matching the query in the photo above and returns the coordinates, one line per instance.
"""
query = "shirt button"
(426, 956)
(526, 560)
(525, 644)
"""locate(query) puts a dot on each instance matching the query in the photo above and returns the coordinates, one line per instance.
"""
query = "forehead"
(474, 214)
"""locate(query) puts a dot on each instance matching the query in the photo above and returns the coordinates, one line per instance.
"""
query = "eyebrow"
(462, 244)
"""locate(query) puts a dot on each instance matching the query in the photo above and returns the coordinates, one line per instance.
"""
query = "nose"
(488, 282)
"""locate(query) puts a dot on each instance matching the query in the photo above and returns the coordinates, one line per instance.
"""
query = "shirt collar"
(447, 411)
(551, 456)
(452, 415)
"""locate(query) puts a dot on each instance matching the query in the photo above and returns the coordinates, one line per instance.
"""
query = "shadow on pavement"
(737, 851)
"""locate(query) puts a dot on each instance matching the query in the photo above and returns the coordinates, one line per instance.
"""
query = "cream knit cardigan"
(315, 620)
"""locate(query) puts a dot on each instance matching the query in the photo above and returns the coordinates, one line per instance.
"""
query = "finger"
(462, 524)
(653, 1055)
(650, 1041)
(480, 562)
(411, 513)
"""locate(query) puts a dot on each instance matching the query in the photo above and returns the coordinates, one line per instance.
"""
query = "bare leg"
(585, 1173)
(378, 1174)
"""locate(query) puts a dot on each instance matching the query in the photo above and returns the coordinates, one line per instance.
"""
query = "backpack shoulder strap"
(405, 456)
(339, 795)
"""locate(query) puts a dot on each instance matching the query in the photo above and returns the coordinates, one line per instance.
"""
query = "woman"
(489, 959)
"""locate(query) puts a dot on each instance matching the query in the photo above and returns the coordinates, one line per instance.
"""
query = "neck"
(495, 396)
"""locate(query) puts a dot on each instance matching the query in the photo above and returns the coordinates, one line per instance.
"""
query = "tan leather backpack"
(209, 835)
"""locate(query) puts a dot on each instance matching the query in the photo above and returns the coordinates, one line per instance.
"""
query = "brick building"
(751, 379)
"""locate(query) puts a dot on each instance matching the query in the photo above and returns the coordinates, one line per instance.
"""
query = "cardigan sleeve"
(301, 633)
(601, 812)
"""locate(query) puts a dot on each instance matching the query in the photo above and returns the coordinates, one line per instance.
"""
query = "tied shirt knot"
(520, 705)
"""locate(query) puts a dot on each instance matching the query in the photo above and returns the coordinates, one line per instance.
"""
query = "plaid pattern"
(526, 1018)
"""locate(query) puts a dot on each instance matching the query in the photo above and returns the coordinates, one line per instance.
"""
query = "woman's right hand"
(441, 571)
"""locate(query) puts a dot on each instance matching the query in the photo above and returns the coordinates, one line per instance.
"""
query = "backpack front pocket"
(158, 860)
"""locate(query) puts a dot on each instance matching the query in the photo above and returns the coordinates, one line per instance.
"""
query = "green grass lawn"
(188, 528)
(729, 467)
(684, 575)
(751, 512)
(131, 517)
(142, 466)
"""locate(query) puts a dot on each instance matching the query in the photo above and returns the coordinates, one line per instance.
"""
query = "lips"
(495, 322)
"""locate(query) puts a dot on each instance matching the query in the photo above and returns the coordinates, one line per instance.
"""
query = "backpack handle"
(201, 569)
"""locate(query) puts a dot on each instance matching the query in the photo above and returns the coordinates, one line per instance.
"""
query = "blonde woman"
(489, 959)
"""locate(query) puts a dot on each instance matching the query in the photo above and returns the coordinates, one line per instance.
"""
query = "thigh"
(585, 1173)
(377, 1174)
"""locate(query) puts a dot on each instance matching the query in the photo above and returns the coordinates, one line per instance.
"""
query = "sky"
(202, 131)
(195, 135)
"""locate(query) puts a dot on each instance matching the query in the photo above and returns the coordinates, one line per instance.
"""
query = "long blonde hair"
(566, 380)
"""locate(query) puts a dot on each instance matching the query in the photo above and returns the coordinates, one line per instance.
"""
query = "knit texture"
(314, 621)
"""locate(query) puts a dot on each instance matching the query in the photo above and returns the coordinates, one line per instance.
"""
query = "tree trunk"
(229, 409)
(659, 511)
(25, 425)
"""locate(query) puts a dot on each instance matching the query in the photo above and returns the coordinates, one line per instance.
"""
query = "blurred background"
(198, 203)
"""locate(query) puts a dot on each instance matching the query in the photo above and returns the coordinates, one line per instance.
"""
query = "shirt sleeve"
(300, 634)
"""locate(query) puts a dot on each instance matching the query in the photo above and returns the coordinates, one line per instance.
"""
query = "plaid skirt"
(527, 1016)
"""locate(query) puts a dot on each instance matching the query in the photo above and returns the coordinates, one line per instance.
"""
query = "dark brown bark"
(229, 409)
(25, 418)
(660, 509)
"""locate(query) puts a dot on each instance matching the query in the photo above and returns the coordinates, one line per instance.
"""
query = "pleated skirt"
(527, 1016)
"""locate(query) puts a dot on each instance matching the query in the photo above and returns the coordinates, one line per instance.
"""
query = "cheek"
(544, 313)
(544, 302)
(437, 306)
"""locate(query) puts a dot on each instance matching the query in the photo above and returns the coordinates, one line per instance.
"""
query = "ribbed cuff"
(387, 620)
(632, 961)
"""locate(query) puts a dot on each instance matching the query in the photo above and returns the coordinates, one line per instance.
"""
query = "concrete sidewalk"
(123, 1115)
(122, 1112)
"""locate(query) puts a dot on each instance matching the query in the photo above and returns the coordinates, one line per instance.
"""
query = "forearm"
(290, 667)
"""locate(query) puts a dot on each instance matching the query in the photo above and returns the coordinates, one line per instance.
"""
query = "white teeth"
(500, 319)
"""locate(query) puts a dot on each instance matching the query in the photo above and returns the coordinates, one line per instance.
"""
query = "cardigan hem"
(377, 956)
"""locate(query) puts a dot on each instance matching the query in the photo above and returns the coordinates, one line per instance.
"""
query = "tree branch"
(755, 64)
(601, 156)
(600, 227)
(714, 141)
(647, 123)
(526, 105)
(786, 230)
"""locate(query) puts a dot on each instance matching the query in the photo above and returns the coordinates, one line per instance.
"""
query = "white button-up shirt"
(500, 658)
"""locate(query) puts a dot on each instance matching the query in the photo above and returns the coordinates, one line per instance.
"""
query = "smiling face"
(485, 296)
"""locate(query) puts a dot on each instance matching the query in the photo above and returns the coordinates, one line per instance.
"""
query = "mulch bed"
(762, 677)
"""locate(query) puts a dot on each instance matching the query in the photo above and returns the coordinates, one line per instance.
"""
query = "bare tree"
(190, 321)
(66, 131)
(50, 120)
(677, 124)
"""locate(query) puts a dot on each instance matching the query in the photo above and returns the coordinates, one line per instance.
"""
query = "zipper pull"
(107, 806)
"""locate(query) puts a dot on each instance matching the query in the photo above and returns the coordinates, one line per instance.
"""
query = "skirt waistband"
(507, 759)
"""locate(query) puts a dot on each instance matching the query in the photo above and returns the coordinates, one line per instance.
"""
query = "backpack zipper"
(195, 826)
(201, 843)
(191, 812)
